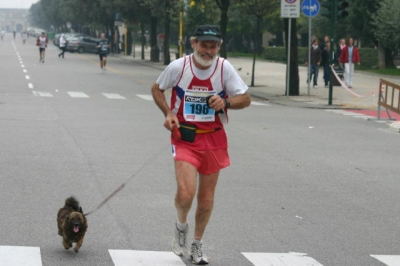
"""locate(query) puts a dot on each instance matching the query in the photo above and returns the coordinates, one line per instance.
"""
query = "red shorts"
(206, 162)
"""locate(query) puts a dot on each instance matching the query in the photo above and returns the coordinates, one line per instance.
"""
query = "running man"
(42, 42)
(204, 86)
(103, 46)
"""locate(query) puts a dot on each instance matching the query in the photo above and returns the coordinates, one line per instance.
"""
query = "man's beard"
(201, 61)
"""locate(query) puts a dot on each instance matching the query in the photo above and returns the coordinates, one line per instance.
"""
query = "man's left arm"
(239, 101)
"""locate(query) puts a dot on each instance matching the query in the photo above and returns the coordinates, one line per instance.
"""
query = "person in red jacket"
(349, 56)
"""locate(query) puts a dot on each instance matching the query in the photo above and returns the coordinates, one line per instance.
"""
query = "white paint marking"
(22, 66)
(114, 96)
(27, 77)
(260, 103)
(30, 85)
(24, 70)
(144, 258)
(17, 256)
(75, 94)
(389, 260)
(280, 259)
(42, 94)
(147, 97)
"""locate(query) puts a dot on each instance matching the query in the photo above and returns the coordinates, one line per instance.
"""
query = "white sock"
(182, 227)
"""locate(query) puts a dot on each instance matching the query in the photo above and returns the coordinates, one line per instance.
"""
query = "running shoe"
(197, 255)
(178, 244)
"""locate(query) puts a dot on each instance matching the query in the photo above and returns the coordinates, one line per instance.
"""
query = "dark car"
(56, 40)
(82, 44)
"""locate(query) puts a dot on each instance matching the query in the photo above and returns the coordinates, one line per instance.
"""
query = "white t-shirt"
(233, 84)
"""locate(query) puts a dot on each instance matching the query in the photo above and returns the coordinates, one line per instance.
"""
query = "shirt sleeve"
(234, 84)
(171, 75)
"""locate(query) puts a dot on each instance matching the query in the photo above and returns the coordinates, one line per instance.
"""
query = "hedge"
(369, 56)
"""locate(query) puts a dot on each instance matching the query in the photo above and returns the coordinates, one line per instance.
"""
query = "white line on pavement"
(114, 96)
(144, 258)
(389, 260)
(16, 256)
(30, 85)
(280, 259)
(42, 94)
(27, 77)
(147, 97)
(75, 94)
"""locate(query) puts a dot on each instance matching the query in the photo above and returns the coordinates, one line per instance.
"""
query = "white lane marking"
(42, 94)
(75, 94)
(260, 103)
(16, 256)
(24, 70)
(30, 85)
(22, 66)
(114, 96)
(147, 97)
(280, 259)
(27, 77)
(389, 260)
(144, 258)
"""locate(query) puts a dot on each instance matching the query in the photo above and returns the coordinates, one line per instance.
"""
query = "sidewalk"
(270, 84)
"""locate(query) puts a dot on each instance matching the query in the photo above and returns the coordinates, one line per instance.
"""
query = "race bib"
(195, 106)
(104, 47)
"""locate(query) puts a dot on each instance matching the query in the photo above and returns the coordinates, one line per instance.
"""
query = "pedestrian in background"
(349, 56)
(203, 85)
(42, 42)
(342, 44)
(24, 36)
(63, 45)
(315, 62)
(103, 45)
(325, 62)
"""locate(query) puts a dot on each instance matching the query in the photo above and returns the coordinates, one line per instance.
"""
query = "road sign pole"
(309, 55)
(288, 59)
(331, 61)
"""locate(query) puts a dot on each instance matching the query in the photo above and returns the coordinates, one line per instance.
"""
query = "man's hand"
(171, 121)
(216, 102)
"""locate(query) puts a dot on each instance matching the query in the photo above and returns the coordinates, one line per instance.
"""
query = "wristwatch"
(227, 103)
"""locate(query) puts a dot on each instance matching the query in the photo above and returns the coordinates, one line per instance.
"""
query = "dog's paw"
(76, 250)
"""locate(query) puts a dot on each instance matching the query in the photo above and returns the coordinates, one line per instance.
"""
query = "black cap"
(208, 33)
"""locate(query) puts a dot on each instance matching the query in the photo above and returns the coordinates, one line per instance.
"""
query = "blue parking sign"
(310, 8)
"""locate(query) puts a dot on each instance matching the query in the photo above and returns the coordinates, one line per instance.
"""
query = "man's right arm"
(170, 118)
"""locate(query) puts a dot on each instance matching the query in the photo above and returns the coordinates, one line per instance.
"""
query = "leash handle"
(106, 199)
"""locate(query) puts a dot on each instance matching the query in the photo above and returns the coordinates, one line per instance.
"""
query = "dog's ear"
(80, 210)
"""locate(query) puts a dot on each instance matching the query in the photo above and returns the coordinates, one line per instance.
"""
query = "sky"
(17, 3)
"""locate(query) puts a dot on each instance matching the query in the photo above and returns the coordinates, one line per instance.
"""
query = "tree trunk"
(154, 49)
(223, 26)
(167, 23)
(293, 72)
(381, 56)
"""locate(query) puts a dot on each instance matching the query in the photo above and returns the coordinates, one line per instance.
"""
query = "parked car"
(56, 40)
(82, 44)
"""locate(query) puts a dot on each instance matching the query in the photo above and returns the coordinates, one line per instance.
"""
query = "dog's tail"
(73, 203)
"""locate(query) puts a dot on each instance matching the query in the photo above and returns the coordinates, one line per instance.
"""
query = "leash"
(106, 199)
(115, 192)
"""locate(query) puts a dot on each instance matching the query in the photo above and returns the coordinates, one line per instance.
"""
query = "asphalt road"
(301, 181)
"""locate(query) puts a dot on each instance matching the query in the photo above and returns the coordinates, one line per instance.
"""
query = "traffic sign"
(310, 8)
(290, 8)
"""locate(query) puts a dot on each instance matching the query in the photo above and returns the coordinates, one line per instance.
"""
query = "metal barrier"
(389, 98)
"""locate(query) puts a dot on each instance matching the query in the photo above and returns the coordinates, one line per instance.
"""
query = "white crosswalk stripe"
(114, 96)
(147, 97)
(77, 94)
(144, 258)
(281, 259)
(347, 113)
(389, 260)
(42, 94)
(17, 256)
(23, 255)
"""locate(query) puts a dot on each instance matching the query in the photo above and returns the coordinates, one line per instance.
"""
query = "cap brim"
(208, 38)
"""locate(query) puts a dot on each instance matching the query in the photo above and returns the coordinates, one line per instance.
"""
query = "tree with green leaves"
(386, 23)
